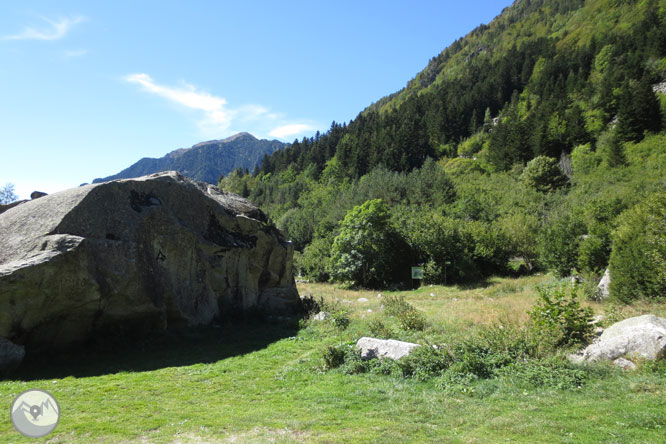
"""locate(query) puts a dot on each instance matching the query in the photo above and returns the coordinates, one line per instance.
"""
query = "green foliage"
(340, 319)
(638, 258)
(378, 329)
(552, 373)
(521, 233)
(395, 305)
(559, 319)
(412, 320)
(425, 362)
(543, 174)
(639, 110)
(314, 263)
(333, 356)
(584, 159)
(559, 242)
(368, 251)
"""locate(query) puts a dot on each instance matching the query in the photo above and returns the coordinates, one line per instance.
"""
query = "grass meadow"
(263, 382)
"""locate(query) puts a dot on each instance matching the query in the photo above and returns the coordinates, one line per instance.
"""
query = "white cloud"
(71, 53)
(218, 119)
(213, 107)
(55, 30)
(289, 130)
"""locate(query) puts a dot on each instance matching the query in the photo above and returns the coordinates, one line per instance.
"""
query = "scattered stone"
(11, 355)
(596, 319)
(137, 255)
(624, 364)
(37, 194)
(603, 289)
(659, 87)
(432, 295)
(369, 310)
(384, 348)
(641, 337)
(362, 300)
(379, 296)
(321, 316)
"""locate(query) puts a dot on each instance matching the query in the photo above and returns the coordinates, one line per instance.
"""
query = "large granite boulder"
(11, 355)
(384, 348)
(640, 337)
(136, 255)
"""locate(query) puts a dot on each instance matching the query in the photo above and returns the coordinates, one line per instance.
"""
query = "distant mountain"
(205, 161)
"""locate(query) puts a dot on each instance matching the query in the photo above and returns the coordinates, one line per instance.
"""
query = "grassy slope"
(259, 383)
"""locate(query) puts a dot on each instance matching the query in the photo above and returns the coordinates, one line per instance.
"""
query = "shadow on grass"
(172, 348)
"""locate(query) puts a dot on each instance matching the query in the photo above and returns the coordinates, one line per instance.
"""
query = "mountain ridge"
(204, 161)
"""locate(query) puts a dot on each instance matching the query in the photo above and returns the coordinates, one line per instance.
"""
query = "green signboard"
(417, 272)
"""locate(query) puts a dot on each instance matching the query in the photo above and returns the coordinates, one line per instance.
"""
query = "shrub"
(559, 319)
(368, 251)
(378, 329)
(559, 241)
(334, 356)
(412, 320)
(543, 174)
(395, 305)
(425, 362)
(340, 319)
(554, 373)
(314, 262)
(638, 257)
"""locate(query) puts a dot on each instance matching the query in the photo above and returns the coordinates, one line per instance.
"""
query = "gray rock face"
(136, 255)
(11, 355)
(384, 348)
(603, 289)
(639, 337)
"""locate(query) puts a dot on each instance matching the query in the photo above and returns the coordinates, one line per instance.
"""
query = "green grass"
(260, 382)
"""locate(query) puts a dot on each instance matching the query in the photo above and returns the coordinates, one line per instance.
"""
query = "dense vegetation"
(515, 149)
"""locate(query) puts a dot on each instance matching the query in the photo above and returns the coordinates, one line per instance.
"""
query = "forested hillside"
(533, 143)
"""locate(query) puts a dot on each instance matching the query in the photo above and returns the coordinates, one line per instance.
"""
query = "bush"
(559, 319)
(314, 263)
(379, 330)
(425, 362)
(638, 257)
(395, 305)
(369, 252)
(559, 241)
(412, 320)
(543, 174)
(334, 356)
(554, 373)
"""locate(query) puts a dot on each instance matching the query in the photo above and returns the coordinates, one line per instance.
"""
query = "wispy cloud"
(219, 119)
(53, 30)
(284, 131)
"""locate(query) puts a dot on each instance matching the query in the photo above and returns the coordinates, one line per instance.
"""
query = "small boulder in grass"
(384, 348)
(640, 337)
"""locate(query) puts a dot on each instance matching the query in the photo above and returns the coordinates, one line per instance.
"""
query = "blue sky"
(88, 88)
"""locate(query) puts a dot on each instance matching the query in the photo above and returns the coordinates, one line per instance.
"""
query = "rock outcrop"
(603, 289)
(11, 355)
(134, 256)
(384, 348)
(641, 337)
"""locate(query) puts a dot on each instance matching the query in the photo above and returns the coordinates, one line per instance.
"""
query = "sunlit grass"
(259, 382)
